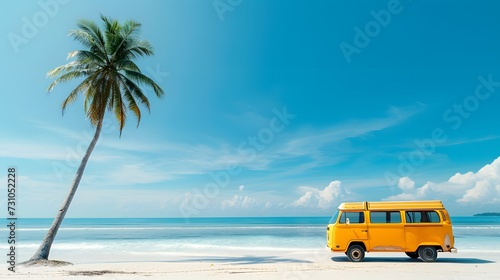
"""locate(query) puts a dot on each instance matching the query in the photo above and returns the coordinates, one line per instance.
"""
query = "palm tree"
(111, 83)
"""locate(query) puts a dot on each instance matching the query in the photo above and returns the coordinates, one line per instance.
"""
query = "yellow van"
(418, 228)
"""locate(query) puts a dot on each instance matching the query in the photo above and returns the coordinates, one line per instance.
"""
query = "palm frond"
(123, 39)
(91, 36)
(136, 91)
(141, 48)
(68, 100)
(67, 77)
(145, 80)
(73, 95)
(88, 57)
(101, 94)
(119, 108)
(83, 87)
(132, 104)
(127, 64)
(112, 81)
(72, 66)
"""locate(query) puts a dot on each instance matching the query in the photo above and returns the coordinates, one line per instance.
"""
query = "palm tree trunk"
(43, 251)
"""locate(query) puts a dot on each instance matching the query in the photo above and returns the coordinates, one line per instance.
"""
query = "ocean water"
(87, 240)
(476, 233)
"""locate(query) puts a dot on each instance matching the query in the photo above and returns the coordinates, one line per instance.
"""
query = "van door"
(352, 226)
(386, 231)
(423, 226)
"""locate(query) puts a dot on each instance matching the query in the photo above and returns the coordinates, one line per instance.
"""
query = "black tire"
(356, 253)
(427, 253)
(413, 255)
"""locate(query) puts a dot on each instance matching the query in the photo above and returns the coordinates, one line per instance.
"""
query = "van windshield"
(334, 218)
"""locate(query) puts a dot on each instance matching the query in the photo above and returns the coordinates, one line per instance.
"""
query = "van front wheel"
(427, 253)
(356, 253)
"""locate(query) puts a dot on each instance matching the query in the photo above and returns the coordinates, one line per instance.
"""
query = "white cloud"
(462, 179)
(322, 199)
(239, 201)
(241, 188)
(483, 186)
(406, 184)
(480, 187)
(306, 200)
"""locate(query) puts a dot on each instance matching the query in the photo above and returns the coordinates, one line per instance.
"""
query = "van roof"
(392, 205)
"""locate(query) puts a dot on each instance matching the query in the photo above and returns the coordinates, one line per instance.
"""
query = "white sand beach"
(312, 265)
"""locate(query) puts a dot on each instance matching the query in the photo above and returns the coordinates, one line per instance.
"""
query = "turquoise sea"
(157, 237)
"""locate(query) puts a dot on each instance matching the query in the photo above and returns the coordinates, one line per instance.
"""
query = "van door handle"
(365, 230)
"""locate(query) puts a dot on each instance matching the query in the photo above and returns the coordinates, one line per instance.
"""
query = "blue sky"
(272, 108)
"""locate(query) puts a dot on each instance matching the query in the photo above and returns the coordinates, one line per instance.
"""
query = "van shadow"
(244, 260)
(409, 260)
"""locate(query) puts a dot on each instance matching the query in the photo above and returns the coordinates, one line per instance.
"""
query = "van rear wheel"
(356, 253)
(427, 253)
(413, 255)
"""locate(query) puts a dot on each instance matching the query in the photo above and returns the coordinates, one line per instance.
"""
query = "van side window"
(386, 217)
(422, 217)
(354, 217)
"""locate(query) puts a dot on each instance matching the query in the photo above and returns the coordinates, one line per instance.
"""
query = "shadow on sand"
(244, 260)
(409, 260)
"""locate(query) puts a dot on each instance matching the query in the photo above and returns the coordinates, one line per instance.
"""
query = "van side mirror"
(347, 221)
